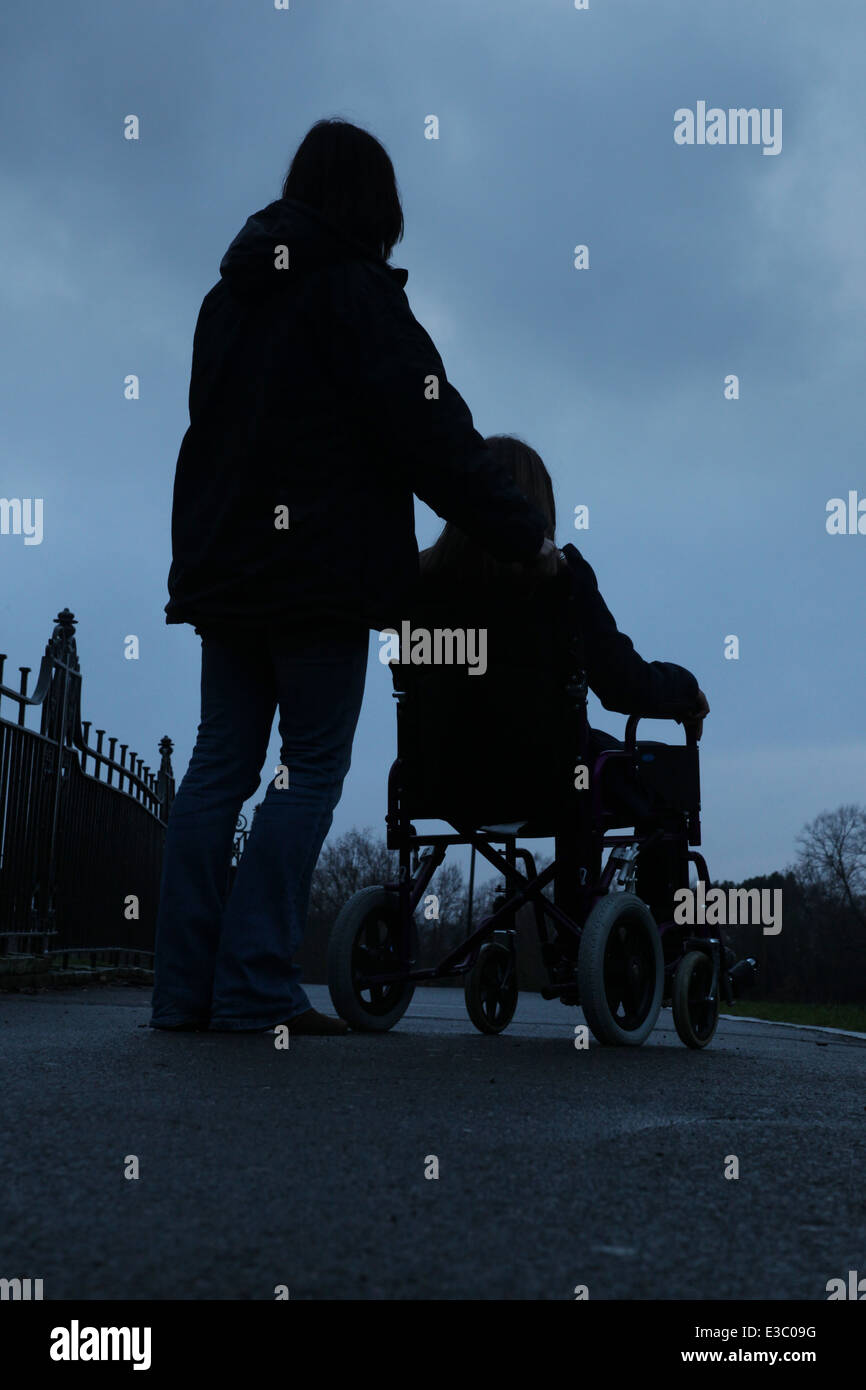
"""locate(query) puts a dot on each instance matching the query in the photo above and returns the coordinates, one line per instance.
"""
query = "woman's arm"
(396, 381)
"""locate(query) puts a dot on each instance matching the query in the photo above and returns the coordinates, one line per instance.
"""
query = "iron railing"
(80, 851)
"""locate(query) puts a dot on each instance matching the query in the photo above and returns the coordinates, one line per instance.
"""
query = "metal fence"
(80, 849)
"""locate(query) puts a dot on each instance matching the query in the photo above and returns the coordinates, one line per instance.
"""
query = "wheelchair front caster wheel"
(364, 942)
(491, 988)
(695, 1008)
(620, 970)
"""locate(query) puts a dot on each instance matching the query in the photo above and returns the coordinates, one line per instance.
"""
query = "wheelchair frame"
(412, 883)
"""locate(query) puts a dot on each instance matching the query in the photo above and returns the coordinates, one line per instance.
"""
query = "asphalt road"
(557, 1167)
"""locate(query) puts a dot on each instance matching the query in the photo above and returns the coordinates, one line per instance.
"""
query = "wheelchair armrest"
(631, 732)
(694, 824)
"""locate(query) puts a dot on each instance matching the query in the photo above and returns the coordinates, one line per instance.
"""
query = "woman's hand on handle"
(550, 559)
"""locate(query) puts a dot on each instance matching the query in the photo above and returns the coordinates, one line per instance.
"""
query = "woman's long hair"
(456, 560)
(346, 174)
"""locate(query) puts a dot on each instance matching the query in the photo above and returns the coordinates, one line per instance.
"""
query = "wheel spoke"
(490, 988)
(376, 951)
(629, 973)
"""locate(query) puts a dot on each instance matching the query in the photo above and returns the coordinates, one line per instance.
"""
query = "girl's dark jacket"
(530, 626)
(314, 389)
(487, 746)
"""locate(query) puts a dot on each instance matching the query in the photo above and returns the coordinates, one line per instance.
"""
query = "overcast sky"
(556, 128)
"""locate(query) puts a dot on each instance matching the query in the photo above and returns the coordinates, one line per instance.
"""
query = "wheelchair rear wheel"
(365, 940)
(620, 970)
(490, 988)
(695, 1010)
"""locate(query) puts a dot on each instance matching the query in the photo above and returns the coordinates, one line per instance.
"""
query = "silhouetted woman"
(318, 405)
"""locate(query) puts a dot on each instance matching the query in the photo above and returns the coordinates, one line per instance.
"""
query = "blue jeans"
(227, 957)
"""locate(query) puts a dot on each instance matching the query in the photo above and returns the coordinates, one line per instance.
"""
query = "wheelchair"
(508, 756)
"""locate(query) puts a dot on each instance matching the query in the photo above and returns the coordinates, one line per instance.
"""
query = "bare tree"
(832, 857)
(357, 859)
(360, 859)
(450, 891)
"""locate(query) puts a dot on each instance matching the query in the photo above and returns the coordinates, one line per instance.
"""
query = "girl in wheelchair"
(456, 572)
(493, 757)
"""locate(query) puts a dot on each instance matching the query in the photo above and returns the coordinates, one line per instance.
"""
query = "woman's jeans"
(228, 959)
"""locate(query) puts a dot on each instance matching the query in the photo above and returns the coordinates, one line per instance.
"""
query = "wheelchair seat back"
(502, 745)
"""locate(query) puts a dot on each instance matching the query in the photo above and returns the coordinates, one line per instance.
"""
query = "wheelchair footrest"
(743, 975)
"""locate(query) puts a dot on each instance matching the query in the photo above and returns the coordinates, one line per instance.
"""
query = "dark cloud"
(556, 127)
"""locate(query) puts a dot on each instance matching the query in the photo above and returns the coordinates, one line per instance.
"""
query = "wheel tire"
(620, 946)
(694, 1019)
(490, 988)
(365, 934)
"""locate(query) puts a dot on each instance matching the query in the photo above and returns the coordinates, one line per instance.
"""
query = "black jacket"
(309, 390)
(522, 630)
(502, 745)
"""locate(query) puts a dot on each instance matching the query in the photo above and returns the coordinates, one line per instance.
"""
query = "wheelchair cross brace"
(412, 889)
(462, 957)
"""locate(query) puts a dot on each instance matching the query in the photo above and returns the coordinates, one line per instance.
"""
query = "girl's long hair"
(456, 561)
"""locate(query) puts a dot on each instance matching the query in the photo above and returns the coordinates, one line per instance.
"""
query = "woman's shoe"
(196, 1026)
(314, 1024)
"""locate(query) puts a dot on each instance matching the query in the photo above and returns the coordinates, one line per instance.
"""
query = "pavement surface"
(305, 1167)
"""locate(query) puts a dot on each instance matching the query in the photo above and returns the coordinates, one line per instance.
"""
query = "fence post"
(165, 777)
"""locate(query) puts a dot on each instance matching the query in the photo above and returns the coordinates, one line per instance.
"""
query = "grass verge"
(851, 1017)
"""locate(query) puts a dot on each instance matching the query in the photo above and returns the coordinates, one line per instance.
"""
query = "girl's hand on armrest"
(695, 722)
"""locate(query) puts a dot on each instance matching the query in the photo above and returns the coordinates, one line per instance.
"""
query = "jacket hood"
(313, 242)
